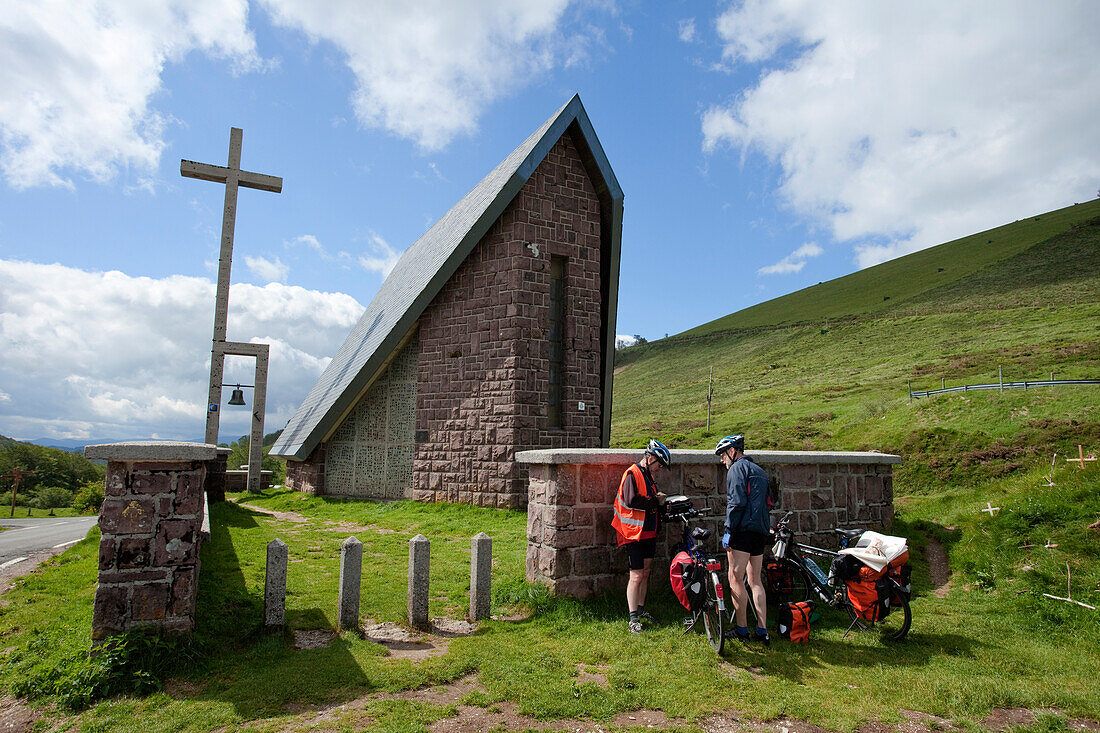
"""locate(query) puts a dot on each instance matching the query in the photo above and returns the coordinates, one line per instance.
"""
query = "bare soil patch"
(593, 673)
(284, 516)
(313, 638)
(16, 716)
(405, 644)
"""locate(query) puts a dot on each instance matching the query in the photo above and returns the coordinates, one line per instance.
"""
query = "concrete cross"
(990, 508)
(233, 177)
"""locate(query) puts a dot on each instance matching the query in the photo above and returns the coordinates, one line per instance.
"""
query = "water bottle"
(816, 571)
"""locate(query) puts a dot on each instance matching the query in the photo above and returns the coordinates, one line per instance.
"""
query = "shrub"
(89, 498)
(52, 497)
(134, 662)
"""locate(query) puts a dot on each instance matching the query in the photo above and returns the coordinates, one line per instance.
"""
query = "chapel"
(493, 334)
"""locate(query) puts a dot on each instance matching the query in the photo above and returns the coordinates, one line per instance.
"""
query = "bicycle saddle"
(849, 534)
(700, 534)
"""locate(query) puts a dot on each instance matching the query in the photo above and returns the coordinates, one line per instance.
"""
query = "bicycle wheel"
(712, 621)
(789, 585)
(894, 627)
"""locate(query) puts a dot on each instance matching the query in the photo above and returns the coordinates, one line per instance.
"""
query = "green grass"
(22, 512)
(978, 648)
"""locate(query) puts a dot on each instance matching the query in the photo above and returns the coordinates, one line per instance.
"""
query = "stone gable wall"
(482, 387)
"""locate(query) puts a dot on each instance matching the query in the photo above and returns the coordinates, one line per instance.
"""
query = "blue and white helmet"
(730, 441)
(658, 450)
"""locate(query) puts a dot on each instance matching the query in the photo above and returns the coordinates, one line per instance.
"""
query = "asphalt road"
(28, 540)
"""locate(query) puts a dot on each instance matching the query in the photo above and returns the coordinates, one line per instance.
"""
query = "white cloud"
(107, 355)
(76, 81)
(687, 30)
(381, 258)
(794, 262)
(900, 126)
(425, 70)
(622, 341)
(4, 396)
(267, 270)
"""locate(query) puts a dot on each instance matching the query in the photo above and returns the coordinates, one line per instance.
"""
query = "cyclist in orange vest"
(635, 520)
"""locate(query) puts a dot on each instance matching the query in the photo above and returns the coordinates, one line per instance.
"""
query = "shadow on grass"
(918, 649)
(258, 671)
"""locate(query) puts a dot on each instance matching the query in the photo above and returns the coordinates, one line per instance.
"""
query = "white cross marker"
(990, 508)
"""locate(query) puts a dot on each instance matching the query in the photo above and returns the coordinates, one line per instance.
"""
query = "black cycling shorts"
(640, 551)
(754, 543)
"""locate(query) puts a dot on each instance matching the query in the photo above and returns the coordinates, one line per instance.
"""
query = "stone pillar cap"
(682, 456)
(152, 450)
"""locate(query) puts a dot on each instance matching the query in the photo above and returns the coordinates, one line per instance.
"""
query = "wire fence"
(1026, 384)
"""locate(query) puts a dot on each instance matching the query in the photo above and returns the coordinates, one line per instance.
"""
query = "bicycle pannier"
(867, 599)
(779, 580)
(902, 575)
(688, 580)
(676, 577)
(843, 569)
(794, 620)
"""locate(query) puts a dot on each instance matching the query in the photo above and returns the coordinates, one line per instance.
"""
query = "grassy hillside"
(885, 286)
(1030, 313)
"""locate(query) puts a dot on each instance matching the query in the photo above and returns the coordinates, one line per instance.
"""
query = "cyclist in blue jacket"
(746, 538)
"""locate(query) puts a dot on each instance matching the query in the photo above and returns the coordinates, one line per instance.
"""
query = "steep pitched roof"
(421, 273)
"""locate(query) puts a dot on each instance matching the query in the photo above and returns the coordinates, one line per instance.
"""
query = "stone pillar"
(215, 476)
(351, 577)
(481, 569)
(419, 560)
(150, 526)
(275, 584)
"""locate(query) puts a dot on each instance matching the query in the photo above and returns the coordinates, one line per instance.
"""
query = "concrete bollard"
(419, 559)
(275, 584)
(351, 576)
(481, 567)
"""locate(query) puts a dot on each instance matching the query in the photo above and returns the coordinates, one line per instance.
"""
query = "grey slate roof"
(420, 274)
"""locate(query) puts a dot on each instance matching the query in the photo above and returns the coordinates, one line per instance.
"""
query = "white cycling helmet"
(658, 450)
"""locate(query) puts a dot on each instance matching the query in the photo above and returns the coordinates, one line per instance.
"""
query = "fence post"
(275, 584)
(419, 559)
(351, 576)
(481, 566)
(910, 383)
(1000, 380)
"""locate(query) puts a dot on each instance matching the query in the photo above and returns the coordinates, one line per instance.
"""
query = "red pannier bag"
(681, 562)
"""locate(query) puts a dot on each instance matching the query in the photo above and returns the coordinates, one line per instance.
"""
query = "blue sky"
(762, 147)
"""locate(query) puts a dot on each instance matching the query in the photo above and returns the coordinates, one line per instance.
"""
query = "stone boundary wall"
(151, 527)
(571, 545)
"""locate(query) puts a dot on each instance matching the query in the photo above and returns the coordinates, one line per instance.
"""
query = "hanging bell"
(237, 398)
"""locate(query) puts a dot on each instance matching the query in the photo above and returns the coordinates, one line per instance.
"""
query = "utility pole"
(710, 395)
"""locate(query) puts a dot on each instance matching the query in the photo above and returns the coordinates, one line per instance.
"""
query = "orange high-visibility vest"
(629, 522)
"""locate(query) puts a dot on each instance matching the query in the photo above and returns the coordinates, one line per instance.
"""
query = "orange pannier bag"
(864, 597)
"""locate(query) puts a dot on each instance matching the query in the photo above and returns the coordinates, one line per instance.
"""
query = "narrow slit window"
(557, 341)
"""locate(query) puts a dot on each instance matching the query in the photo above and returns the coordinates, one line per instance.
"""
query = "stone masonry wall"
(149, 548)
(483, 389)
(308, 476)
(572, 546)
